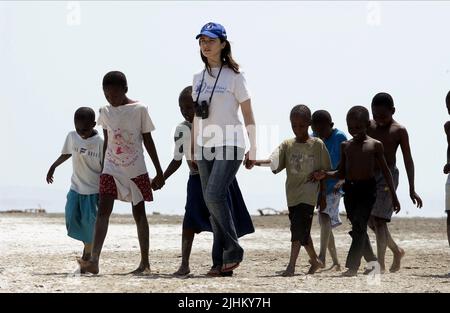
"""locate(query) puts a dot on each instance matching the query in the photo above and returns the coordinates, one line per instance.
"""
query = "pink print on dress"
(119, 150)
(123, 142)
(124, 153)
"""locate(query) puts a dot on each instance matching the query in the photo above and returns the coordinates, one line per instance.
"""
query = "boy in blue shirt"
(322, 126)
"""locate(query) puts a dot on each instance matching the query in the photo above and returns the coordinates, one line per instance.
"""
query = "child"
(447, 169)
(392, 135)
(196, 218)
(301, 156)
(322, 126)
(126, 125)
(85, 147)
(358, 158)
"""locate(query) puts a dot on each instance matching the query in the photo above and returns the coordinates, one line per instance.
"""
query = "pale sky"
(327, 55)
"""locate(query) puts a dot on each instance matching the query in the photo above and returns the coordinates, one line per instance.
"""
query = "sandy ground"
(37, 256)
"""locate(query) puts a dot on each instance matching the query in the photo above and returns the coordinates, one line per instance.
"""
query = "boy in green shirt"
(301, 156)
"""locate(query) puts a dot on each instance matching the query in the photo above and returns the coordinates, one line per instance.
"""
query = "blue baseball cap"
(213, 30)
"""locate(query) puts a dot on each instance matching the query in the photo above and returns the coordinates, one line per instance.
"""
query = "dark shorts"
(108, 186)
(301, 217)
(383, 204)
(359, 197)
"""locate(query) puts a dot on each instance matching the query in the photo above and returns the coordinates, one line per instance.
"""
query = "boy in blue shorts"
(85, 146)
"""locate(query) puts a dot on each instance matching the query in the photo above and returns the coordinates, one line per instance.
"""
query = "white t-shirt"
(222, 127)
(125, 125)
(124, 158)
(87, 155)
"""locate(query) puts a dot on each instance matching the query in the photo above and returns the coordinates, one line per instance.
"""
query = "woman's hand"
(194, 165)
(250, 159)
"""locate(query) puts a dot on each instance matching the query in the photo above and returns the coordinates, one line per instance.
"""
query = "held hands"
(250, 159)
(338, 186)
(158, 182)
(447, 168)
(50, 173)
(194, 165)
(317, 176)
(415, 199)
(322, 203)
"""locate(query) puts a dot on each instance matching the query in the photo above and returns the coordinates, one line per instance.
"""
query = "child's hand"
(337, 188)
(265, 163)
(151, 183)
(317, 176)
(158, 182)
(396, 205)
(50, 173)
(447, 168)
(415, 199)
(322, 203)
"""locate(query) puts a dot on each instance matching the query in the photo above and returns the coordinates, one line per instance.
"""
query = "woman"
(218, 141)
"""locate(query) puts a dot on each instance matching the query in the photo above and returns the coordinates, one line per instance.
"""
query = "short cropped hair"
(115, 78)
(322, 116)
(383, 99)
(360, 113)
(84, 114)
(302, 110)
(185, 95)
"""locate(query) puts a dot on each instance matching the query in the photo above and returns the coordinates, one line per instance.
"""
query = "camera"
(202, 109)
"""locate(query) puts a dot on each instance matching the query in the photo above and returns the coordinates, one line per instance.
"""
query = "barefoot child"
(447, 169)
(322, 126)
(301, 156)
(358, 158)
(392, 135)
(85, 147)
(126, 126)
(196, 217)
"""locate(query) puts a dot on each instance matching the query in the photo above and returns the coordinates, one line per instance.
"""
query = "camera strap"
(214, 87)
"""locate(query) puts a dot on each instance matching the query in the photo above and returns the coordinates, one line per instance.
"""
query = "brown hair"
(225, 57)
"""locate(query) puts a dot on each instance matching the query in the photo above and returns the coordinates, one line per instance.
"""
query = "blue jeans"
(218, 167)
